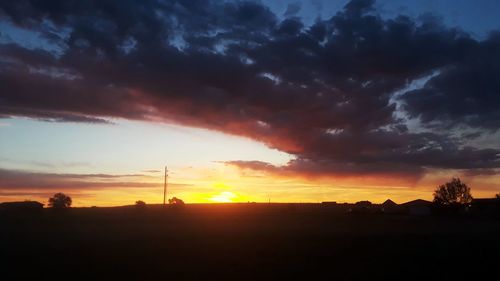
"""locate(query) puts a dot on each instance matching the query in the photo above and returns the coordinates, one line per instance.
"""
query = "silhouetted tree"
(60, 201)
(453, 193)
(364, 203)
(498, 196)
(176, 201)
(140, 204)
(361, 207)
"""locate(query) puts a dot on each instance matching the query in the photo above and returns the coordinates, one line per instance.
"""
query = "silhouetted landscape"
(248, 241)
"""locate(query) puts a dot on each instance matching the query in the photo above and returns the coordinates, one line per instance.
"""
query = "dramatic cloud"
(324, 93)
(467, 92)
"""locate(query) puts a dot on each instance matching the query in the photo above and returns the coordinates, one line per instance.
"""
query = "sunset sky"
(281, 101)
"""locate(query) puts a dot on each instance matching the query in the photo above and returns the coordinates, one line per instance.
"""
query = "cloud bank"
(15, 180)
(325, 93)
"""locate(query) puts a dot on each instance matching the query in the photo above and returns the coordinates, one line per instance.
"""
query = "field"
(245, 242)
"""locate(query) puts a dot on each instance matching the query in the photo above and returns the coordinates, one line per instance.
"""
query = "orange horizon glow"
(227, 184)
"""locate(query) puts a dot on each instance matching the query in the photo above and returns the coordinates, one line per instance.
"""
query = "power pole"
(165, 186)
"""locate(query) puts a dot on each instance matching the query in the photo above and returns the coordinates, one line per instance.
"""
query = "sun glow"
(224, 197)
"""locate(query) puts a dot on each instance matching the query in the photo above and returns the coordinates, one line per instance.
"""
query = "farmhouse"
(390, 207)
(417, 207)
(23, 207)
(485, 206)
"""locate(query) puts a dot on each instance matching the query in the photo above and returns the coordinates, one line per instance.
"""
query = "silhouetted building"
(485, 206)
(334, 203)
(23, 207)
(417, 207)
(390, 207)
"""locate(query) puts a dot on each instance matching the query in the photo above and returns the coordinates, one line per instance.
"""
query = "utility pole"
(165, 186)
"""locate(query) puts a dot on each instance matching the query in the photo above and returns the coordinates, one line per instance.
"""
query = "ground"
(244, 242)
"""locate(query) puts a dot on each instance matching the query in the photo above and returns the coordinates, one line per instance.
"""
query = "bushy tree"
(176, 201)
(140, 204)
(498, 196)
(60, 201)
(454, 192)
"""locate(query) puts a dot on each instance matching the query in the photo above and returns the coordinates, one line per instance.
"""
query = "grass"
(244, 242)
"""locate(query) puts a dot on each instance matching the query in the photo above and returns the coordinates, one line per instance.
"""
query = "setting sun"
(224, 197)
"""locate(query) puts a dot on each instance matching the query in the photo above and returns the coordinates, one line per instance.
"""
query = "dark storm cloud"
(467, 92)
(321, 92)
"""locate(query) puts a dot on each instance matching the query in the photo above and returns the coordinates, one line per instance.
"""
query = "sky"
(248, 101)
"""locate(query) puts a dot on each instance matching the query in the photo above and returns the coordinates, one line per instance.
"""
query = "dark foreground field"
(245, 242)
